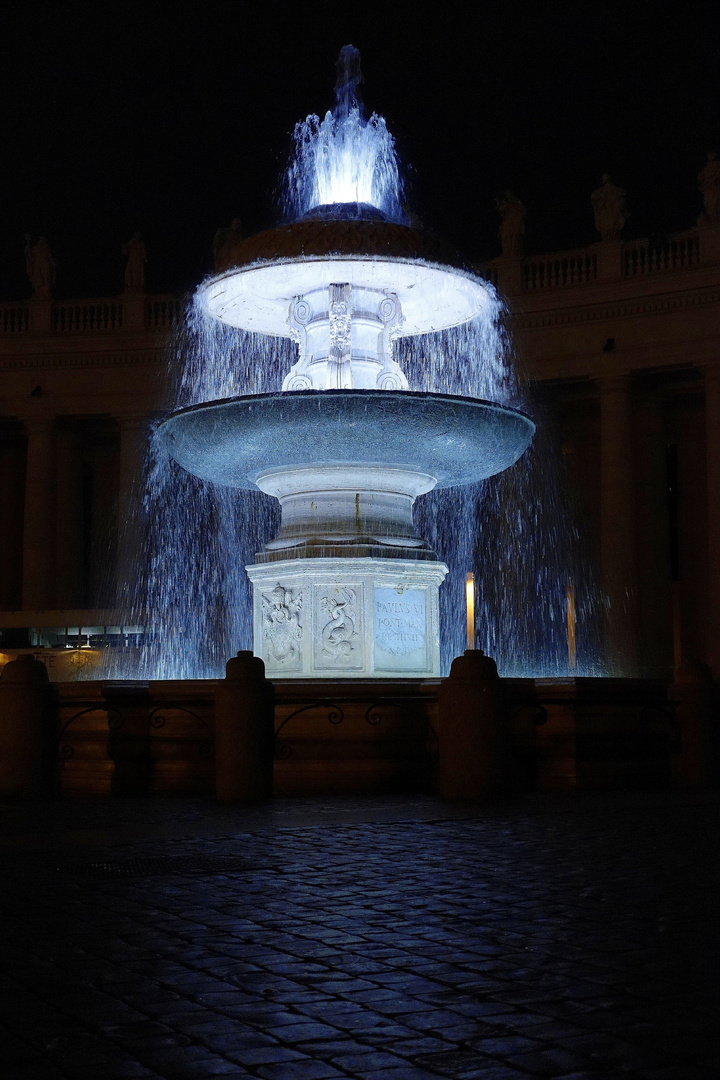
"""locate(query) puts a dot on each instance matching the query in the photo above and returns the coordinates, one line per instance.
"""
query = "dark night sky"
(173, 120)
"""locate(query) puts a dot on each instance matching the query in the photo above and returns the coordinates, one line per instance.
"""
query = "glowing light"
(344, 158)
(570, 610)
(470, 609)
(342, 161)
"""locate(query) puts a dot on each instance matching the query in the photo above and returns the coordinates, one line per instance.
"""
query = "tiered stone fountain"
(347, 588)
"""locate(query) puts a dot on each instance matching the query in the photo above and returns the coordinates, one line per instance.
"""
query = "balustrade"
(561, 270)
(164, 312)
(557, 270)
(14, 319)
(78, 318)
(652, 256)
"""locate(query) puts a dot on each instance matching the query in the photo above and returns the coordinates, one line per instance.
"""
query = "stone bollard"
(244, 719)
(697, 704)
(27, 730)
(473, 745)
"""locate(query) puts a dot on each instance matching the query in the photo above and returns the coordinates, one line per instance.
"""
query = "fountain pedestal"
(347, 588)
(357, 617)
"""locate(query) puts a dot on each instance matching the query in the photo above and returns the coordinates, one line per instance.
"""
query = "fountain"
(347, 587)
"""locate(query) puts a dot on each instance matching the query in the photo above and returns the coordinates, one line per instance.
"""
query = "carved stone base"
(349, 618)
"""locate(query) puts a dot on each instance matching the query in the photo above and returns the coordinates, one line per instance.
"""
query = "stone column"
(133, 447)
(712, 452)
(70, 541)
(12, 465)
(653, 536)
(103, 544)
(38, 591)
(618, 527)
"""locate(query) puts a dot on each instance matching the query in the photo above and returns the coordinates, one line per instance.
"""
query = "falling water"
(514, 530)
(344, 158)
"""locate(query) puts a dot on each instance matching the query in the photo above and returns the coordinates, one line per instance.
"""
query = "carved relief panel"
(339, 634)
(282, 628)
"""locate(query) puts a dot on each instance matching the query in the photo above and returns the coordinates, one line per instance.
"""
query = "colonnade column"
(712, 454)
(69, 522)
(133, 447)
(38, 580)
(618, 527)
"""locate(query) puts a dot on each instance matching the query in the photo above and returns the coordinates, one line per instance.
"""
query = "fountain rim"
(269, 308)
(424, 395)
(451, 475)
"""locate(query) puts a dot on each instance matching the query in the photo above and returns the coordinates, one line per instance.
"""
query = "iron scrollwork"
(114, 720)
(158, 720)
(538, 714)
(335, 715)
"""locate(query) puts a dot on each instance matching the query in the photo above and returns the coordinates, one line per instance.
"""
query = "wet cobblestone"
(387, 940)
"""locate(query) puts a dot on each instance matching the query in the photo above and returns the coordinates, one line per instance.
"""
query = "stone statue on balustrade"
(224, 243)
(40, 267)
(608, 203)
(512, 224)
(136, 256)
(709, 184)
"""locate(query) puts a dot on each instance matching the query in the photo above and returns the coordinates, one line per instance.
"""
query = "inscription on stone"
(400, 629)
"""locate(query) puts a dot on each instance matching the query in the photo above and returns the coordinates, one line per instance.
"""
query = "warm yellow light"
(570, 610)
(470, 609)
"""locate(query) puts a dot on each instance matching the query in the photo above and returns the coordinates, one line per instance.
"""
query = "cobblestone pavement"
(382, 940)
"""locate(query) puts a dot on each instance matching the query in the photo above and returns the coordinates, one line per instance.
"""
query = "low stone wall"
(135, 738)
(333, 736)
(592, 734)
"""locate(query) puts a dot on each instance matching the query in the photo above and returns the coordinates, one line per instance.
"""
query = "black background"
(173, 120)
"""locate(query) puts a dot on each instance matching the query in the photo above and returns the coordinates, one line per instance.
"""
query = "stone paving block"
(183, 1063)
(261, 1055)
(498, 1071)
(506, 1045)
(305, 1032)
(299, 1070)
(453, 1026)
(210, 1024)
(550, 1062)
(401, 1072)
(369, 1062)
(454, 1063)
(393, 1004)
(376, 1029)
(298, 998)
(410, 1047)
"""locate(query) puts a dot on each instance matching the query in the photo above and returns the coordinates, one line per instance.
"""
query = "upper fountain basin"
(453, 439)
(261, 275)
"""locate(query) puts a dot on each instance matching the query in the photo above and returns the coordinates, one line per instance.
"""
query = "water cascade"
(349, 367)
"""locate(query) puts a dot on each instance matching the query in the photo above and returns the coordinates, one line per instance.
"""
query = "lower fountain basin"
(455, 440)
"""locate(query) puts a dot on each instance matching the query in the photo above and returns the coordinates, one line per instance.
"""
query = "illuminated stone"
(354, 617)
